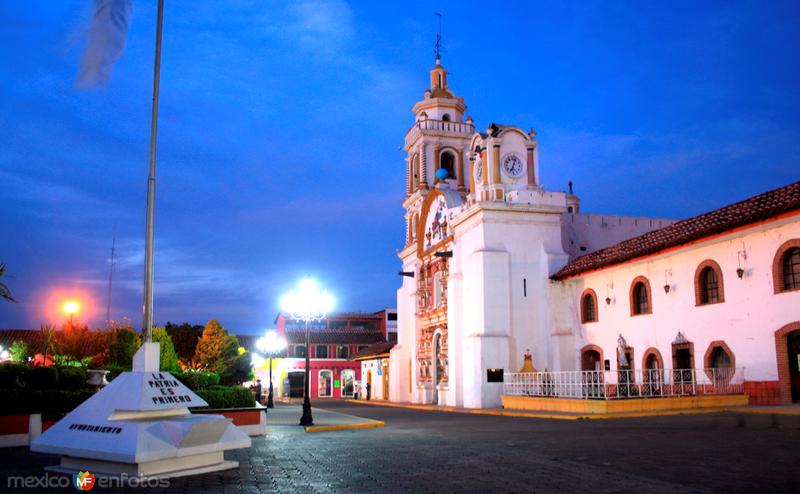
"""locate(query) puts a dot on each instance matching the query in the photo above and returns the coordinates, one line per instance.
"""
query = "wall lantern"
(742, 254)
(666, 281)
(666, 288)
(608, 300)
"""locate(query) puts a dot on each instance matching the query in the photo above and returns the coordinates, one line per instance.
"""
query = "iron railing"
(613, 385)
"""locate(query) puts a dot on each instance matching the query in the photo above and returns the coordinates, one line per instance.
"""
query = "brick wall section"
(763, 392)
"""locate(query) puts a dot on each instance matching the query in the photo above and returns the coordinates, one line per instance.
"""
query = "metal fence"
(613, 385)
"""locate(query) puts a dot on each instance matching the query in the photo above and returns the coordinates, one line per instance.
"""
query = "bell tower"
(436, 145)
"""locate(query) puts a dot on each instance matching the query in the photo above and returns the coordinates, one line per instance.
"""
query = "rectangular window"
(337, 324)
(322, 351)
(342, 351)
(392, 316)
(299, 351)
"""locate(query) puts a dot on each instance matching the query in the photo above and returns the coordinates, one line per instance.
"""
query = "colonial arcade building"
(496, 265)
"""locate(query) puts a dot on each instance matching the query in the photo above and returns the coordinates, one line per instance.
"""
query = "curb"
(556, 416)
(343, 427)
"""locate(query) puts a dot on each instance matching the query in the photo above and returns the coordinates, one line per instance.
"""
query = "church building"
(495, 265)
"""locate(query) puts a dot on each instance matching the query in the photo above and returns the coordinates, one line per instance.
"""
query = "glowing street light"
(71, 307)
(271, 344)
(307, 304)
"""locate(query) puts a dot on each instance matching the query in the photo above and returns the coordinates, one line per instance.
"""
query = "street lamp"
(307, 304)
(71, 307)
(271, 344)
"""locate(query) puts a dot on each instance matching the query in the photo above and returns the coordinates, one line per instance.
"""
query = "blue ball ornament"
(441, 174)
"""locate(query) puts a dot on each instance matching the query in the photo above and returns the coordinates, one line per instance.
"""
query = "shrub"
(114, 370)
(72, 378)
(196, 380)
(125, 343)
(43, 378)
(14, 376)
(227, 397)
(52, 403)
(19, 351)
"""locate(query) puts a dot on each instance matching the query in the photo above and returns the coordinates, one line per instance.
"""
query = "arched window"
(446, 117)
(786, 267)
(719, 362)
(791, 269)
(589, 306)
(448, 161)
(708, 287)
(415, 171)
(640, 300)
(325, 384)
(720, 358)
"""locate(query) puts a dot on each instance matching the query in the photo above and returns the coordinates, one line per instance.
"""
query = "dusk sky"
(281, 125)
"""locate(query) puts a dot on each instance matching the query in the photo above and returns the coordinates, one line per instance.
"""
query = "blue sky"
(281, 124)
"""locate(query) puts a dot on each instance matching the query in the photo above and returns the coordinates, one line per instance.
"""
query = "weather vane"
(438, 48)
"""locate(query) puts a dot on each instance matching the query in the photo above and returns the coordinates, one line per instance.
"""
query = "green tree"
(184, 338)
(48, 340)
(216, 348)
(78, 342)
(169, 359)
(5, 293)
(18, 351)
(124, 344)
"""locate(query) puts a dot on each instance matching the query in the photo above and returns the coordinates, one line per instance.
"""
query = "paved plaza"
(432, 451)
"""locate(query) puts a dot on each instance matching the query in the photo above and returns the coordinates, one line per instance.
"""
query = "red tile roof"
(334, 337)
(374, 350)
(758, 208)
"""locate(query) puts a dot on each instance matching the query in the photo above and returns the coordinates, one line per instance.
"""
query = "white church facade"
(495, 265)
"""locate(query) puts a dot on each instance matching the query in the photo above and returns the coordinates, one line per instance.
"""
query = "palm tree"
(5, 293)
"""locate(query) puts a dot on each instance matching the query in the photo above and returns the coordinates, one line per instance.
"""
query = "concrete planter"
(252, 421)
(19, 430)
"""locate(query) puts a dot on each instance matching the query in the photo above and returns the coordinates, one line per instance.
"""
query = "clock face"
(513, 166)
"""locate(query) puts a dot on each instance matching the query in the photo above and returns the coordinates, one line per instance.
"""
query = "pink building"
(333, 341)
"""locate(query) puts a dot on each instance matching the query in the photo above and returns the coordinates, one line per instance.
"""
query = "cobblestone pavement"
(424, 451)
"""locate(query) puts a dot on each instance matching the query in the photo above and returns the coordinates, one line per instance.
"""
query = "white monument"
(140, 425)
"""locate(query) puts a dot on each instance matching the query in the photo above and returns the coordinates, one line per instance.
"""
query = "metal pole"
(270, 403)
(307, 419)
(147, 310)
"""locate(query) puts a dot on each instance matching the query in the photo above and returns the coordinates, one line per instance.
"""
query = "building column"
(423, 167)
(496, 163)
(472, 173)
(436, 161)
(460, 170)
(409, 175)
(531, 171)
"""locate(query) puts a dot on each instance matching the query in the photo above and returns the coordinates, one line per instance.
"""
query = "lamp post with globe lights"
(271, 344)
(307, 304)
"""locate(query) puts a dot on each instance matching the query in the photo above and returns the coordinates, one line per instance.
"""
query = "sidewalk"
(324, 420)
(787, 410)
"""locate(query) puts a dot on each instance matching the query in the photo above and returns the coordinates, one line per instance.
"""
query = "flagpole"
(147, 311)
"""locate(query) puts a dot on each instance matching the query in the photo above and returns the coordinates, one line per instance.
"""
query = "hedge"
(50, 403)
(197, 380)
(227, 397)
(17, 376)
